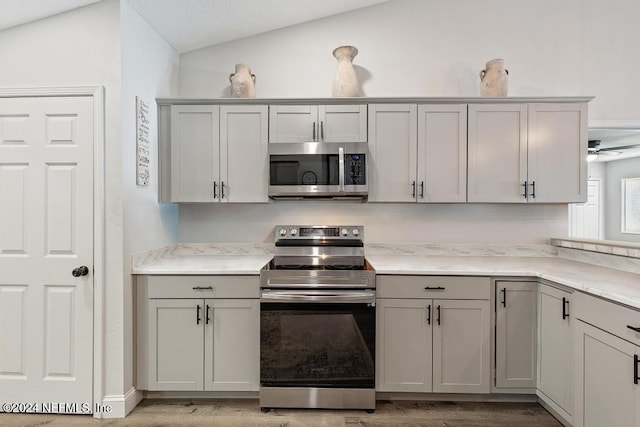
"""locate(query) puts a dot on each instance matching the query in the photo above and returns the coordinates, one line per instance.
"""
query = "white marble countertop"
(614, 284)
(205, 264)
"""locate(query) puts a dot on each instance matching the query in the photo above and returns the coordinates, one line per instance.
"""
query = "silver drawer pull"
(202, 288)
(434, 288)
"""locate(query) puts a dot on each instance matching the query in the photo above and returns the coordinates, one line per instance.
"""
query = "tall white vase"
(346, 82)
(494, 79)
(243, 82)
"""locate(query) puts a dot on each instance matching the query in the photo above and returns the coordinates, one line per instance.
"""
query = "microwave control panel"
(355, 170)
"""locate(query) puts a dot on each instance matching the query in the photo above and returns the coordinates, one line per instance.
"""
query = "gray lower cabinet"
(516, 334)
(429, 337)
(606, 361)
(555, 350)
(198, 333)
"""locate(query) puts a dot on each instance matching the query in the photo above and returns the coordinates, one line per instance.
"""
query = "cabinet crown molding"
(375, 100)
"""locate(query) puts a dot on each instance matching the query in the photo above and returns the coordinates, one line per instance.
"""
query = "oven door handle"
(319, 296)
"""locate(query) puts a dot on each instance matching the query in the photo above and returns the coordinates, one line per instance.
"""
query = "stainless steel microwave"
(312, 170)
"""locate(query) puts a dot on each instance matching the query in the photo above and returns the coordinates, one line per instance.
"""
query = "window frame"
(623, 207)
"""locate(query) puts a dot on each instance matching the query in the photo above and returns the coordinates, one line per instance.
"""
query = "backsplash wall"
(384, 223)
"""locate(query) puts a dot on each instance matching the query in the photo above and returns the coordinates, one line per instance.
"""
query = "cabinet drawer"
(210, 286)
(607, 315)
(447, 287)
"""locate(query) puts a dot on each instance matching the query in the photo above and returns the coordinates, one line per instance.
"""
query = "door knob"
(80, 271)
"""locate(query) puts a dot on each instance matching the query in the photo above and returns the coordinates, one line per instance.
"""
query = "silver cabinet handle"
(321, 130)
(341, 168)
(313, 128)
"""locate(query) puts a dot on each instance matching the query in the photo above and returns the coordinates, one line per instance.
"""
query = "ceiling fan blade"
(620, 148)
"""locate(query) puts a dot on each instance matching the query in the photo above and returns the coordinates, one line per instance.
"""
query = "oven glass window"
(317, 345)
(304, 169)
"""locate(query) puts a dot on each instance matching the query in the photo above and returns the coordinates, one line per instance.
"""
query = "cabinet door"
(605, 391)
(175, 344)
(516, 334)
(555, 348)
(392, 151)
(244, 163)
(343, 123)
(442, 153)
(557, 154)
(195, 147)
(497, 164)
(293, 123)
(403, 345)
(461, 350)
(232, 345)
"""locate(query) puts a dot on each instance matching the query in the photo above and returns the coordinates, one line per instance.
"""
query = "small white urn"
(346, 82)
(494, 79)
(243, 82)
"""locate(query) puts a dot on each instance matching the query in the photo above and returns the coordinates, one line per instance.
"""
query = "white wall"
(419, 48)
(384, 223)
(82, 48)
(615, 171)
(149, 70)
(437, 48)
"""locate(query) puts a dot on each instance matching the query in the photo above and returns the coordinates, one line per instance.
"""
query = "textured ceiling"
(192, 24)
(16, 12)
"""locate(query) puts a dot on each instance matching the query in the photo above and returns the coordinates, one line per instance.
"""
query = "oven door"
(317, 338)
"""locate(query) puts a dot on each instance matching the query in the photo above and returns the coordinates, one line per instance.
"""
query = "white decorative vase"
(346, 82)
(243, 82)
(494, 79)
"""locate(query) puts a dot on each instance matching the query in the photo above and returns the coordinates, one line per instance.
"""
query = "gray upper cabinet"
(442, 153)
(244, 164)
(217, 154)
(195, 152)
(428, 151)
(320, 123)
(418, 153)
(393, 146)
(527, 153)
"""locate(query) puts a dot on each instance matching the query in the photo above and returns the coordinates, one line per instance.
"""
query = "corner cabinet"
(433, 334)
(217, 153)
(418, 153)
(516, 334)
(607, 389)
(198, 333)
(322, 123)
(527, 153)
(555, 349)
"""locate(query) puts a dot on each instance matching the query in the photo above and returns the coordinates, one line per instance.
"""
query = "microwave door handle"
(341, 168)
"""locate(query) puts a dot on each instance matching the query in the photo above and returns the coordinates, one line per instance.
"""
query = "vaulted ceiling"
(192, 24)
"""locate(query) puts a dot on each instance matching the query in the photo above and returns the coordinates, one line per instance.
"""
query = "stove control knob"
(294, 231)
(283, 232)
(345, 232)
(355, 232)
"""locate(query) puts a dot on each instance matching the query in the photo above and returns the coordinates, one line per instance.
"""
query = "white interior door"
(46, 231)
(584, 218)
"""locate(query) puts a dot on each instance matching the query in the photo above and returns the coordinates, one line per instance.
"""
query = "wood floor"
(216, 412)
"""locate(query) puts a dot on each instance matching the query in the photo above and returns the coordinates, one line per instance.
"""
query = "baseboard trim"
(455, 397)
(119, 405)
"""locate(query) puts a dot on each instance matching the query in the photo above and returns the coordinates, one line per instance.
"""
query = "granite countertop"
(614, 284)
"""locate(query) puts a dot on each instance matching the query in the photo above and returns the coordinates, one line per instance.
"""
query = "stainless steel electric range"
(317, 320)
